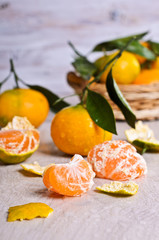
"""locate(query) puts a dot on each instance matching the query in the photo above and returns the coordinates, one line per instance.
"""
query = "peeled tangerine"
(116, 160)
(70, 179)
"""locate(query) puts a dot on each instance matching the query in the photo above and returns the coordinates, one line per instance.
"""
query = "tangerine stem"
(12, 69)
(61, 99)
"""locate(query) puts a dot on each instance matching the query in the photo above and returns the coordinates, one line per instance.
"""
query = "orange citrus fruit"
(70, 179)
(17, 145)
(125, 69)
(147, 76)
(116, 160)
(140, 58)
(73, 131)
(25, 103)
(155, 64)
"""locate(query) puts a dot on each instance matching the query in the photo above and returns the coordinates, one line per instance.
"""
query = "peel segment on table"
(35, 168)
(29, 211)
(142, 137)
(119, 188)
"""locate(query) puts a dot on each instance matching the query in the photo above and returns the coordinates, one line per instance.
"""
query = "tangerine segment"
(70, 179)
(18, 145)
(116, 160)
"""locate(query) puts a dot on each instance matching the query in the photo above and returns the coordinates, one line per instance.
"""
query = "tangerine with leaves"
(25, 103)
(125, 69)
(70, 179)
(73, 131)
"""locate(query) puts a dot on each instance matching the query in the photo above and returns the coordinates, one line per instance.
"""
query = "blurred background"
(36, 34)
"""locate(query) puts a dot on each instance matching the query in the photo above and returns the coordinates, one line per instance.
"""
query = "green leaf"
(51, 97)
(100, 111)
(134, 46)
(112, 44)
(85, 68)
(117, 97)
(82, 65)
(155, 47)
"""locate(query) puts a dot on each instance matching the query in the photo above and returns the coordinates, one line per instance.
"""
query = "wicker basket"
(143, 99)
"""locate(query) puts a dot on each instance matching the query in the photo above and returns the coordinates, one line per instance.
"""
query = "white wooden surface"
(35, 35)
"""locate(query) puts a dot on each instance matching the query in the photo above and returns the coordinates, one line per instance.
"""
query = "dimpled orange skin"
(116, 160)
(73, 131)
(69, 179)
(147, 76)
(24, 103)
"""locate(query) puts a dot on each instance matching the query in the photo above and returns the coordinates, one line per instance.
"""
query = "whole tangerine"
(73, 131)
(147, 76)
(124, 70)
(24, 103)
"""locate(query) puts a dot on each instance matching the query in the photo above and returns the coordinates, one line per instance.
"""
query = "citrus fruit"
(28, 211)
(155, 64)
(125, 69)
(73, 131)
(147, 76)
(116, 160)
(140, 58)
(17, 145)
(18, 140)
(34, 168)
(118, 188)
(100, 64)
(70, 179)
(142, 137)
(25, 103)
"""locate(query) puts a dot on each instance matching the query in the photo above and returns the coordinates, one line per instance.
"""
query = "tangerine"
(73, 131)
(116, 160)
(25, 103)
(17, 145)
(125, 69)
(147, 76)
(155, 64)
(70, 179)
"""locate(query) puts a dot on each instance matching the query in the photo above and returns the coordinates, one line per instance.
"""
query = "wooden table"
(91, 216)
(35, 35)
